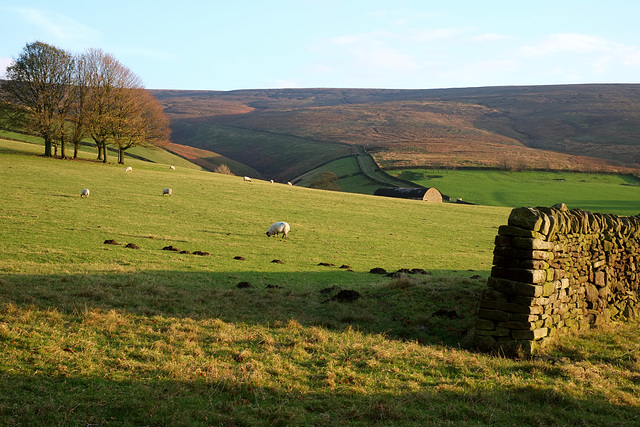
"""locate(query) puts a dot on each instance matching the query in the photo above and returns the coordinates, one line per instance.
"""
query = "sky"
(400, 44)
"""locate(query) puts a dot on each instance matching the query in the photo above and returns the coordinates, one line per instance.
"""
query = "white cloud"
(569, 43)
(378, 13)
(582, 56)
(433, 34)
(487, 38)
(4, 63)
(376, 49)
(57, 26)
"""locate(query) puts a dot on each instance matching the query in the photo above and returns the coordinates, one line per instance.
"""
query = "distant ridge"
(286, 132)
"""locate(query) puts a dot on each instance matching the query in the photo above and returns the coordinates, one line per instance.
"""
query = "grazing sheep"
(85, 193)
(167, 192)
(172, 168)
(246, 178)
(271, 181)
(277, 228)
(288, 183)
(128, 169)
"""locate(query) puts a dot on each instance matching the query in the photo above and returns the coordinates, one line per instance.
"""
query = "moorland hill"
(283, 133)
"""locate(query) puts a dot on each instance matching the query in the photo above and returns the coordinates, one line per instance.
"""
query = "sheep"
(128, 169)
(167, 192)
(85, 193)
(277, 228)
(290, 184)
(271, 181)
(172, 168)
(246, 178)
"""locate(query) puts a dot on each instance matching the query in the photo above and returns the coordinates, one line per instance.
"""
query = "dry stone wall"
(555, 271)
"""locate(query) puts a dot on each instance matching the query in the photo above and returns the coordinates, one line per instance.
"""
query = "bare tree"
(119, 110)
(143, 122)
(39, 81)
(77, 114)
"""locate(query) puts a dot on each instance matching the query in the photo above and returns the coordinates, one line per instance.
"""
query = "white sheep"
(246, 178)
(128, 169)
(271, 181)
(172, 168)
(288, 183)
(167, 192)
(85, 193)
(277, 228)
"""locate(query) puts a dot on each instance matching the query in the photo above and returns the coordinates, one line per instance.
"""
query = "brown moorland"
(564, 127)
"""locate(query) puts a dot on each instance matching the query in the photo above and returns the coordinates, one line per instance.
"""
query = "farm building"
(426, 194)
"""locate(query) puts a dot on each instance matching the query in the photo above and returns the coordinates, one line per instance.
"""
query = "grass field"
(277, 156)
(606, 193)
(96, 334)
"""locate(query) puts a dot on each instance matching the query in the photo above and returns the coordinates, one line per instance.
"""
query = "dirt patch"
(346, 295)
(244, 285)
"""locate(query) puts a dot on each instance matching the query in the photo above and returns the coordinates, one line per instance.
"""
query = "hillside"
(128, 308)
(286, 132)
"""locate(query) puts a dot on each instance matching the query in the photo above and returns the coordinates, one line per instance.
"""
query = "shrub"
(224, 169)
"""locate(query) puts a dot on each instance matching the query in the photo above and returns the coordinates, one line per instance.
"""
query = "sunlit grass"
(102, 334)
(606, 193)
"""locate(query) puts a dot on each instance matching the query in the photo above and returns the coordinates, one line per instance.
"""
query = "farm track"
(371, 169)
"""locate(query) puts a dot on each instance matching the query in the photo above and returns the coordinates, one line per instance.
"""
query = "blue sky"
(400, 44)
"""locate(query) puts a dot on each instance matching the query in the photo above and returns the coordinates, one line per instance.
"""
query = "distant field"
(617, 194)
(351, 178)
(276, 156)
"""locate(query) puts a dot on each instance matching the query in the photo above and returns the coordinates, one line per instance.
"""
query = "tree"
(119, 110)
(143, 122)
(39, 81)
(224, 169)
(77, 114)
(326, 180)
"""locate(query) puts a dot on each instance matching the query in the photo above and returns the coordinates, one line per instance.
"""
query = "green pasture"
(278, 156)
(351, 178)
(605, 193)
(87, 151)
(98, 334)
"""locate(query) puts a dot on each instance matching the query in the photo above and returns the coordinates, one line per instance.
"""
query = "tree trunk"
(99, 151)
(47, 148)
(75, 150)
(121, 156)
(104, 153)
(63, 154)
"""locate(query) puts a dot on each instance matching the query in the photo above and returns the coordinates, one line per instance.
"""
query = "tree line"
(66, 98)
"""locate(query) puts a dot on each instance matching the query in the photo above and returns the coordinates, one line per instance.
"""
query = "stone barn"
(426, 194)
